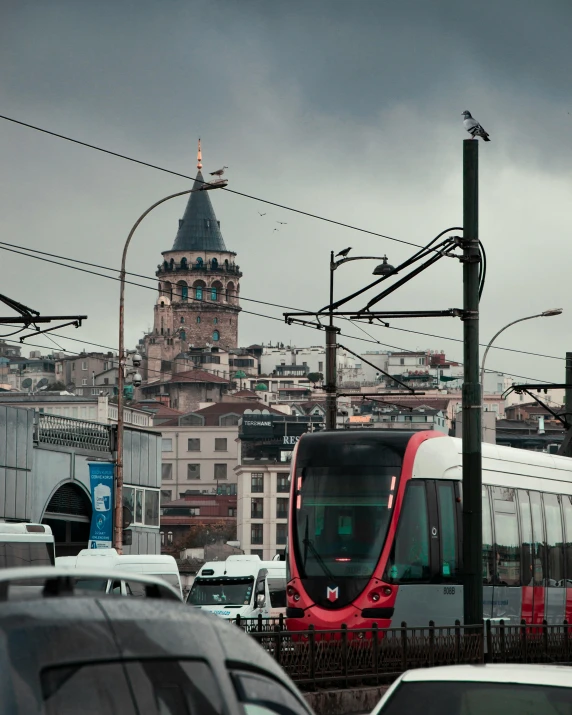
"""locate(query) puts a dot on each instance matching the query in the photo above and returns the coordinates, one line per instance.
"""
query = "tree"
(315, 377)
(55, 387)
(200, 534)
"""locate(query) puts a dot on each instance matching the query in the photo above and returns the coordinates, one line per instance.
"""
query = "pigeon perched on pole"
(473, 127)
(344, 253)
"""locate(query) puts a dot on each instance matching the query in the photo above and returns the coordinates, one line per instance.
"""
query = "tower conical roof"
(199, 229)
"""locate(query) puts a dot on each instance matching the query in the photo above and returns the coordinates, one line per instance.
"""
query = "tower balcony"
(209, 266)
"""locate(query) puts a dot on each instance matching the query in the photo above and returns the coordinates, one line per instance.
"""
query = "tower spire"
(199, 157)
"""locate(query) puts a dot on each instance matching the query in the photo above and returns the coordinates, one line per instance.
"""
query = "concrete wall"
(16, 460)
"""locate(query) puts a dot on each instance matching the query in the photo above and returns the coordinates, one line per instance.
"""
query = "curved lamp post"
(383, 269)
(118, 525)
(545, 314)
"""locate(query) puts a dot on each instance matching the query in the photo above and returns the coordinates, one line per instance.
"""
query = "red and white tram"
(375, 531)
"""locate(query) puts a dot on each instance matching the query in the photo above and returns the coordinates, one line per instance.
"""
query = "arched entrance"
(69, 516)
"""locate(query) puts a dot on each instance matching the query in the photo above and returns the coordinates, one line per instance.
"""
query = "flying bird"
(473, 127)
(219, 172)
(283, 223)
(276, 229)
(344, 253)
(261, 214)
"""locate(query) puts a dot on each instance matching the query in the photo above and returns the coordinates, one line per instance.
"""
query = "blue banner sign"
(102, 491)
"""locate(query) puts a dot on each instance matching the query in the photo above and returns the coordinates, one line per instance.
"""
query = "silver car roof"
(60, 580)
(551, 675)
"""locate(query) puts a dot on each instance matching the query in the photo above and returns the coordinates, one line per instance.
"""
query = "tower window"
(216, 335)
(198, 318)
(213, 293)
(214, 264)
(199, 262)
(215, 321)
(184, 292)
(183, 335)
(199, 293)
(182, 318)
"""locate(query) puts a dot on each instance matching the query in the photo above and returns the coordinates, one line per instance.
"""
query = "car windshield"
(223, 591)
(14, 554)
(477, 698)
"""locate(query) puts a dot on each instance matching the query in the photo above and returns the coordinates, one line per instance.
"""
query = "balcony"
(230, 269)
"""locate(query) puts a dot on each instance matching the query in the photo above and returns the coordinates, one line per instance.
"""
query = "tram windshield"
(342, 510)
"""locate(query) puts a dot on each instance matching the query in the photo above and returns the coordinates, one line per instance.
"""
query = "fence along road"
(344, 658)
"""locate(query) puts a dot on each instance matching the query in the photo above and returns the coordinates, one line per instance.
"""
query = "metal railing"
(69, 432)
(343, 657)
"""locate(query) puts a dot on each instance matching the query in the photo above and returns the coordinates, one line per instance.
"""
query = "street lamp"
(544, 314)
(383, 269)
(118, 526)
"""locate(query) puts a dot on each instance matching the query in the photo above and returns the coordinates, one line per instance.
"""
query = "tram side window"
(527, 548)
(409, 559)
(567, 508)
(554, 540)
(488, 547)
(538, 544)
(507, 541)
(446, 500)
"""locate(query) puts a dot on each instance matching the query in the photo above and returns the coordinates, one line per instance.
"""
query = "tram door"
(507, 593)
(488, 556)
(555, 592)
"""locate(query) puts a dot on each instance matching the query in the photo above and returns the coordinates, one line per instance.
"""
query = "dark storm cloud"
(348, 109)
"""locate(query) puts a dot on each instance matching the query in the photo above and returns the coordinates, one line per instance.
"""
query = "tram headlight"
(375, 596)
(296, 596)
(387, 591)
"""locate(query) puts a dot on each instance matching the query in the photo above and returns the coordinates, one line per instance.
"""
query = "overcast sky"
(349, 110)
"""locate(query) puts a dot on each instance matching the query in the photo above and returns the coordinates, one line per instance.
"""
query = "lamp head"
(383, 269)
(553, 311)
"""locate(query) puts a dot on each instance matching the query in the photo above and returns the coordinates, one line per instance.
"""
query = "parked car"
(480, 690)
(23, 583)
(64, 651)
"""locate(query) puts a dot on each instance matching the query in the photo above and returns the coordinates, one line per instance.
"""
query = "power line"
(262, 315)
(4, 246)
(192, 178)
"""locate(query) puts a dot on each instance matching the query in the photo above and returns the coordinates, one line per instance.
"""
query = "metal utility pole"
(331, 381)
(568, 391)
(472, 439)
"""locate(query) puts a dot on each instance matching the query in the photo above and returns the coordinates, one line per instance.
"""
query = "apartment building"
(263, 486)
(200, 449)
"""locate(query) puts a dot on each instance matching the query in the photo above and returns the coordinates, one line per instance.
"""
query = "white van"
(241, 586)
(26, 544)
(160, 565)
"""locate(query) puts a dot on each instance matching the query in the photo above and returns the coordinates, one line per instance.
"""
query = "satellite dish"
(27, 383)
(43, 382)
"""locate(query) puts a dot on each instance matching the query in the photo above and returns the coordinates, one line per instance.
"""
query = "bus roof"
(7, 527)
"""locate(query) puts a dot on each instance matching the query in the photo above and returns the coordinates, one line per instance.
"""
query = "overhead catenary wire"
(193, 178)
(30, 253)
(353, 322)
(255, 198)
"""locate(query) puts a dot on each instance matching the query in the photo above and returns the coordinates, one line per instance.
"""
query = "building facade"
(200, 449)
(44, 476)
(265, 452)
(96, 409)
